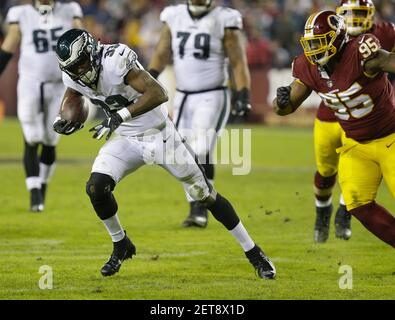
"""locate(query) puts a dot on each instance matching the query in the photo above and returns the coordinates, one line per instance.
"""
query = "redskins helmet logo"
(334, 21)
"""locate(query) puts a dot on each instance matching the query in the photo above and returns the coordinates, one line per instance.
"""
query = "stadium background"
(272, 30)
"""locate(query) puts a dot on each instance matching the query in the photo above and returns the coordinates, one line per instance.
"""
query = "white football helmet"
(79, 55)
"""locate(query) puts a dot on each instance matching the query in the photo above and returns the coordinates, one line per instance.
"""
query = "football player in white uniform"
(37, 27)
(201, 39)
(112, 77)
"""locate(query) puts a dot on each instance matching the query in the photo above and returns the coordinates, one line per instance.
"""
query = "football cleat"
(321, 229)
(198, 216)
(264, 268)
(343, 223)
(123, 250)
(36, 200)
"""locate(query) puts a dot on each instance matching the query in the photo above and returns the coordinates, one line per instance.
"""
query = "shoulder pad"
(14, 14)
(75, 9)
(168, 13)
(118, 60)
(231, 18)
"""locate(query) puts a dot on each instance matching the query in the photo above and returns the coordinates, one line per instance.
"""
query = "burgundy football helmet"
(359, 15)
(324, 35)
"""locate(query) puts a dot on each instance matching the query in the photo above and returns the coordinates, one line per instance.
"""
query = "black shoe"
(36, 200)
(343, 223)
(123, 250)
(264, 268)
(321, 229)
(198, 216)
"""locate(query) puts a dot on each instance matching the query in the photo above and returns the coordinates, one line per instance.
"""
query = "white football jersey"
(39, 37)
(113, 94)
(197, 44)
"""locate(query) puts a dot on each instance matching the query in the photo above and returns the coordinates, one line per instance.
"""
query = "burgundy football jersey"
(363, 104)
(385, 32)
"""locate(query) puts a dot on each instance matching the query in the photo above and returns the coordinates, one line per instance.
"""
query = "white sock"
(241, 234)
(342, 200)
(46, 172)
(114, 228)
(33, 183)
(321, 204)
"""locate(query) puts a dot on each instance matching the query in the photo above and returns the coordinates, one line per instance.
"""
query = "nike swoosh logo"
(121, 54)
(389, 145)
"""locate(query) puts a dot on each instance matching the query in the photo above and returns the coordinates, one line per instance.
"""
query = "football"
(74, 108)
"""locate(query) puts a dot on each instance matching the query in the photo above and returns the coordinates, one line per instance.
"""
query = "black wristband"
(243, 95)
(154, 73)
(4, 58)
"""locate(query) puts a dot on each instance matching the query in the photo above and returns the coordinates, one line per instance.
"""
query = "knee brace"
(99, 189)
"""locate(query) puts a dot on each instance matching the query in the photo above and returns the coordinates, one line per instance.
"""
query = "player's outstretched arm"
(235, 51)
(9, 45)
(162, 53)
(289, 98)
(383, 61)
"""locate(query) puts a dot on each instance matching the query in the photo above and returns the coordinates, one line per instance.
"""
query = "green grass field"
(275, 202)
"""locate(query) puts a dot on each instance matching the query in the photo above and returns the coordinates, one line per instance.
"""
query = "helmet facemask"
(359, 19)
(200, 9)
(319, 49)
(83, 65)
(44, 7)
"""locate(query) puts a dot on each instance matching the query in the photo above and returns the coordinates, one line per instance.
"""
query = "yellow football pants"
(362, 166)
(327, 138)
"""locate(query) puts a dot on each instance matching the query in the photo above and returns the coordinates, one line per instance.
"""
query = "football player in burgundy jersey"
(349, 75)
(359, 17)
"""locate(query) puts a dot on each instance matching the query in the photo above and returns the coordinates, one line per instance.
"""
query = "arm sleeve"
(13, 15)
(76, 10)
(165, 15)
(122, 61)
(300, 70)
(68, 82)
(233, 19)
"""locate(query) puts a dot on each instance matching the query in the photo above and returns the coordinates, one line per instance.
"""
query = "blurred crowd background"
(272, 27)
